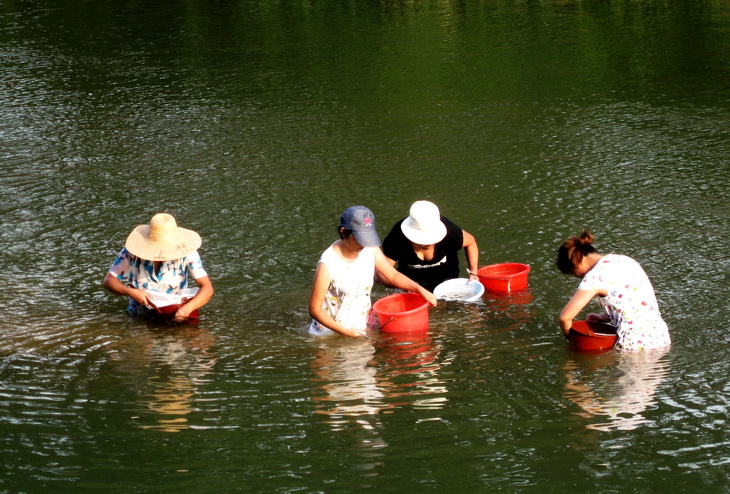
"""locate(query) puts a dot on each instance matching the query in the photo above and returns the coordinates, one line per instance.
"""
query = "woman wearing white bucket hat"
(340, 297)
(153, 267)
(425, 246)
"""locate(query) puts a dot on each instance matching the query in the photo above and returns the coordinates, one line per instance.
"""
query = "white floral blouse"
(630, 303)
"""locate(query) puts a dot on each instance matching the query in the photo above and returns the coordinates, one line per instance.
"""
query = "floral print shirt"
(630, 303)
(171, 278)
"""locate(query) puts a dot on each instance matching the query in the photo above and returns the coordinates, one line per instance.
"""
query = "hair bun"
(585, 240)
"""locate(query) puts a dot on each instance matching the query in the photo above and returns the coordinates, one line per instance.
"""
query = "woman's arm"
(579, 300)
(472, 254)
(379, 278)
(391, 277)
(205, 292)
(316, 299)
(116, 287)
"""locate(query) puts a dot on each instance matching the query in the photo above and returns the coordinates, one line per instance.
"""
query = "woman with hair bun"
(622, 289)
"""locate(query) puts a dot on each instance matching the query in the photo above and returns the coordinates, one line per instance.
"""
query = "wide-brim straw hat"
(424, 225)
(162, 240)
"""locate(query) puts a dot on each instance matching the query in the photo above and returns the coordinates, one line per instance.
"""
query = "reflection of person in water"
(617, 386)
(409, 362)
(352, 385)
(350, 394)
(175, 362)
(348, 379)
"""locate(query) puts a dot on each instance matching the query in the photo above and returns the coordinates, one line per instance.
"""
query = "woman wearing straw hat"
(340, 298)
(425, 246)
(154, 265)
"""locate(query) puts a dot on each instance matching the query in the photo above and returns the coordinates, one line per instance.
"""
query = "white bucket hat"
(162, 240)
(424, 225)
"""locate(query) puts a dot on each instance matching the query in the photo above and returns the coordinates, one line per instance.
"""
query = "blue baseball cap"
(361, 221)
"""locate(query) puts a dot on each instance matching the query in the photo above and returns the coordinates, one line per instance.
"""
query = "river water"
(256, 123)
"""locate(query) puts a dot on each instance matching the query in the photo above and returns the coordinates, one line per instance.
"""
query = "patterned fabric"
(630, 303)
(348, 297)
(172, 277)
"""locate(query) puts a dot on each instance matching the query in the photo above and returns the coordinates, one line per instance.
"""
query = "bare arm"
(390, 276)
(205, 292)
(379, 278)
(316, 299)
(472, 254)
(116, 287)
(579, 300)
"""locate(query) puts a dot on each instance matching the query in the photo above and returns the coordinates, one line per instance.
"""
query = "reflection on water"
(360, 379)
(171, 362)
(349, 381)
(615, 387)
(410, 363)
(350, 392)
(527, 121)
(368, 376)
(510, 311)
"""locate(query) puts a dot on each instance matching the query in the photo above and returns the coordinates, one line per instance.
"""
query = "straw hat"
(424, 225)
(162, 240)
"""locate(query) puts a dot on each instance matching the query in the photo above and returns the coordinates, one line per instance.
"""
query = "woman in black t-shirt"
(425, 247)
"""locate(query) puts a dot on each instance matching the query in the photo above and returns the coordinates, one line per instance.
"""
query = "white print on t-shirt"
(424, 266)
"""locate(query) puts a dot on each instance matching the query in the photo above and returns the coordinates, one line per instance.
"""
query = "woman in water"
(340, 298)
(623, 291)
(155, 262)
(425, 246)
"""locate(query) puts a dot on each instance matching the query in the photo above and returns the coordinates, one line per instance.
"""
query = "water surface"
(256, 124)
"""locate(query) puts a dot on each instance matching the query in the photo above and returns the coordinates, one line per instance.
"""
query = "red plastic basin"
(505, 277)
(402, 313)
(587, 336)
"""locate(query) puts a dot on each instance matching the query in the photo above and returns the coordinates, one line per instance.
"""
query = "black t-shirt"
(428, 274)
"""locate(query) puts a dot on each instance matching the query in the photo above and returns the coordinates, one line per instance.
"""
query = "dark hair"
(344, 232)
(572, 252)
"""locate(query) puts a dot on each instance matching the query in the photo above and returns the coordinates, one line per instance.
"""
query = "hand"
(473, 277)
(182, 314)
(430, 297)
(597, 318)
(354, 333)
(140, 296)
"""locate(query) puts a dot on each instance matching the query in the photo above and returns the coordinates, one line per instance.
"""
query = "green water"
(256, 124)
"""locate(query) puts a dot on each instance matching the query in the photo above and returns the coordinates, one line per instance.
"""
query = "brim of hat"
(139, 244)
(367, 238)
(420, 237)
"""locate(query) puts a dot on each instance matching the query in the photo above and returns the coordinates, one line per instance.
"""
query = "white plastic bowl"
(460, 289)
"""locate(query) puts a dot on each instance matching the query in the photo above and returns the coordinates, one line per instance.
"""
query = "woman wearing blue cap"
(340, 298)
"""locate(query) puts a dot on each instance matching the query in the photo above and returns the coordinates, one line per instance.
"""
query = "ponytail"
(572, 252)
